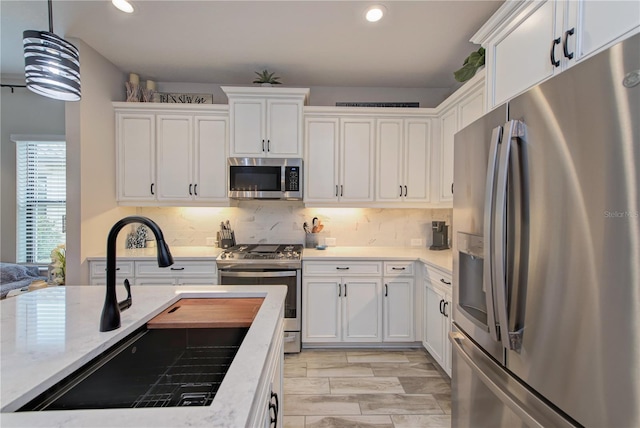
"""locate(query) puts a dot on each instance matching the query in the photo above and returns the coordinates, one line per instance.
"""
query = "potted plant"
(470, 66)
(267, 79)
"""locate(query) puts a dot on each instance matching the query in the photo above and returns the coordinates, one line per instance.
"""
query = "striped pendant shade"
(51, 64)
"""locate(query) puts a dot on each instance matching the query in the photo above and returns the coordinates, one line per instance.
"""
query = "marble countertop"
(196, 253)
(440, 259)
(50, 333)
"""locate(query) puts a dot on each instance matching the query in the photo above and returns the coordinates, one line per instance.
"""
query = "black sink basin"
(151, 368)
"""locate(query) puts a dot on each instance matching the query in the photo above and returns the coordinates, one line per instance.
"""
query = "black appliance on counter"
(268, 264)
(440, 236)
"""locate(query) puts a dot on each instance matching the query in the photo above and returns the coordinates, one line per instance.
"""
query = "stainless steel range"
(262, 264)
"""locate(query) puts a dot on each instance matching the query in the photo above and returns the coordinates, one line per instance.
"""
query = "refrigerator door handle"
(488, 269)
(514, 129)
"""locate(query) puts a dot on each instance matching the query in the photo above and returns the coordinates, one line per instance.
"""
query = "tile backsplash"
(282, 222)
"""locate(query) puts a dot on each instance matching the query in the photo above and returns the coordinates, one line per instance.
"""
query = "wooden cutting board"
(208, 313)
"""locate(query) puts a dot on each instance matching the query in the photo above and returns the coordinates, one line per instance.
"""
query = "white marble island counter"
(50, 333)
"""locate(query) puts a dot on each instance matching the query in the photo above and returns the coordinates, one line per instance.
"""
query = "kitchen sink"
(150, 368)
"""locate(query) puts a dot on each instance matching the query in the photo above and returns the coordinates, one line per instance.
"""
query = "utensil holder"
(310, 240)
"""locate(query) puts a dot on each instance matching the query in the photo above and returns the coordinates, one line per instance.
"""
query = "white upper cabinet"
(529, 42)
(357, 154)
(168, 155)
(339, 159)
(464, 107)
(135, 154)
(266, 121)
(403, 153)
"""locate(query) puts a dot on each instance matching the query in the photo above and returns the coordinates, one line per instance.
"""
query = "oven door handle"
(272, 274)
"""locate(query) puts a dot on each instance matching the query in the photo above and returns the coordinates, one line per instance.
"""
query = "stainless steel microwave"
(265, 178)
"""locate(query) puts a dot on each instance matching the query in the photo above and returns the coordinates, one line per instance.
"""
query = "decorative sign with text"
(166, 97)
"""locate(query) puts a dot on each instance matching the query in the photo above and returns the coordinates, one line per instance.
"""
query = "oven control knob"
(230, 255)
(223, 255)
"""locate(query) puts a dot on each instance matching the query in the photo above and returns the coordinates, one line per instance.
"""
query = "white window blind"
(41, 199)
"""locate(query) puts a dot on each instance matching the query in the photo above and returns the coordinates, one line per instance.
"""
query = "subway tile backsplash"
(282, 222)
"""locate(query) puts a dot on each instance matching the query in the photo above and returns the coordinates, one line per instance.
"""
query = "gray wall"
(22, 112)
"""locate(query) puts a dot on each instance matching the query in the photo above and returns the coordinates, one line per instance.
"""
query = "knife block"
(227, 243)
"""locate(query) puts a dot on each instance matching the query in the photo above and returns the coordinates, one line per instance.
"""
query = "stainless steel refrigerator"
(546, 233)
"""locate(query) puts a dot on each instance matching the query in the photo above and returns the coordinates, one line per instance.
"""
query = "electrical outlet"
(211, 240)
(330, 242)
(417, 242)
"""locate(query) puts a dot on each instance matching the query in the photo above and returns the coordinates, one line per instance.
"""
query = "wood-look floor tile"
(421, 421)
(316, 369)
(303, 405)
(295, 370)
(349, 422)
(419, 356)
(324, 356)
(444, 400)
(376, 357)
(365, 385)
(425, 385)
(306, 385)
(395, 404)
(293, 421)
(405, 369)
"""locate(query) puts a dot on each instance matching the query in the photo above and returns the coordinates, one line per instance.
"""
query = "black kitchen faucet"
(110, 319)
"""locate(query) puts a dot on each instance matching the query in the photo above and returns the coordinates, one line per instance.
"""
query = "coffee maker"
(440, 236)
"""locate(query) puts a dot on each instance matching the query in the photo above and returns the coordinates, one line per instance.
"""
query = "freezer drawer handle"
(512, 402)
(444, 309)
(441, 302)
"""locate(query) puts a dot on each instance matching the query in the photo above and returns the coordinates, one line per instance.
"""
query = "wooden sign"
(177, 98)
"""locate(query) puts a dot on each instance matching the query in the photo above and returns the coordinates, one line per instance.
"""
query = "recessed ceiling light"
(375, 13)
(123, 5)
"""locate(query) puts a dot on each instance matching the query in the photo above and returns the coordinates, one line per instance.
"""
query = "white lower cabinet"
(437, 317)
(358, 301)
(268, 405)
(342, 309)
(147, 272)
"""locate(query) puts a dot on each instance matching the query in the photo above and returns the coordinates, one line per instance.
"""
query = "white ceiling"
(418, 44)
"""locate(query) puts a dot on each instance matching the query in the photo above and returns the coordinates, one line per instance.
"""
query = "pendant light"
(51, 64)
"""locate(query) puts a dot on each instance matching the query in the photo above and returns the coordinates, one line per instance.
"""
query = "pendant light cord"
(51, 16)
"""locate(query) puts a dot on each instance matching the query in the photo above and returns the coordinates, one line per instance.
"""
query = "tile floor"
(365, 388)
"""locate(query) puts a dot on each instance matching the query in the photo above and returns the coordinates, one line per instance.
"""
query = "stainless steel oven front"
(272, 275)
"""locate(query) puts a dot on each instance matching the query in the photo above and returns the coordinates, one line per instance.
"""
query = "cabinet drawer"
(99, 268)
(180, 268)
(346, 268)
(437, 276)
(398, 268)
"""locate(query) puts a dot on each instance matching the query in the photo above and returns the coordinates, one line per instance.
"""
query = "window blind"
(41, 199)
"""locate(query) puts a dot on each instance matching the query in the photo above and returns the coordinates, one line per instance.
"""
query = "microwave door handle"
(489, 209)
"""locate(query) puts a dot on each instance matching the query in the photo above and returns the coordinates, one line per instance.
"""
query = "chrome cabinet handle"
(565, 45)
